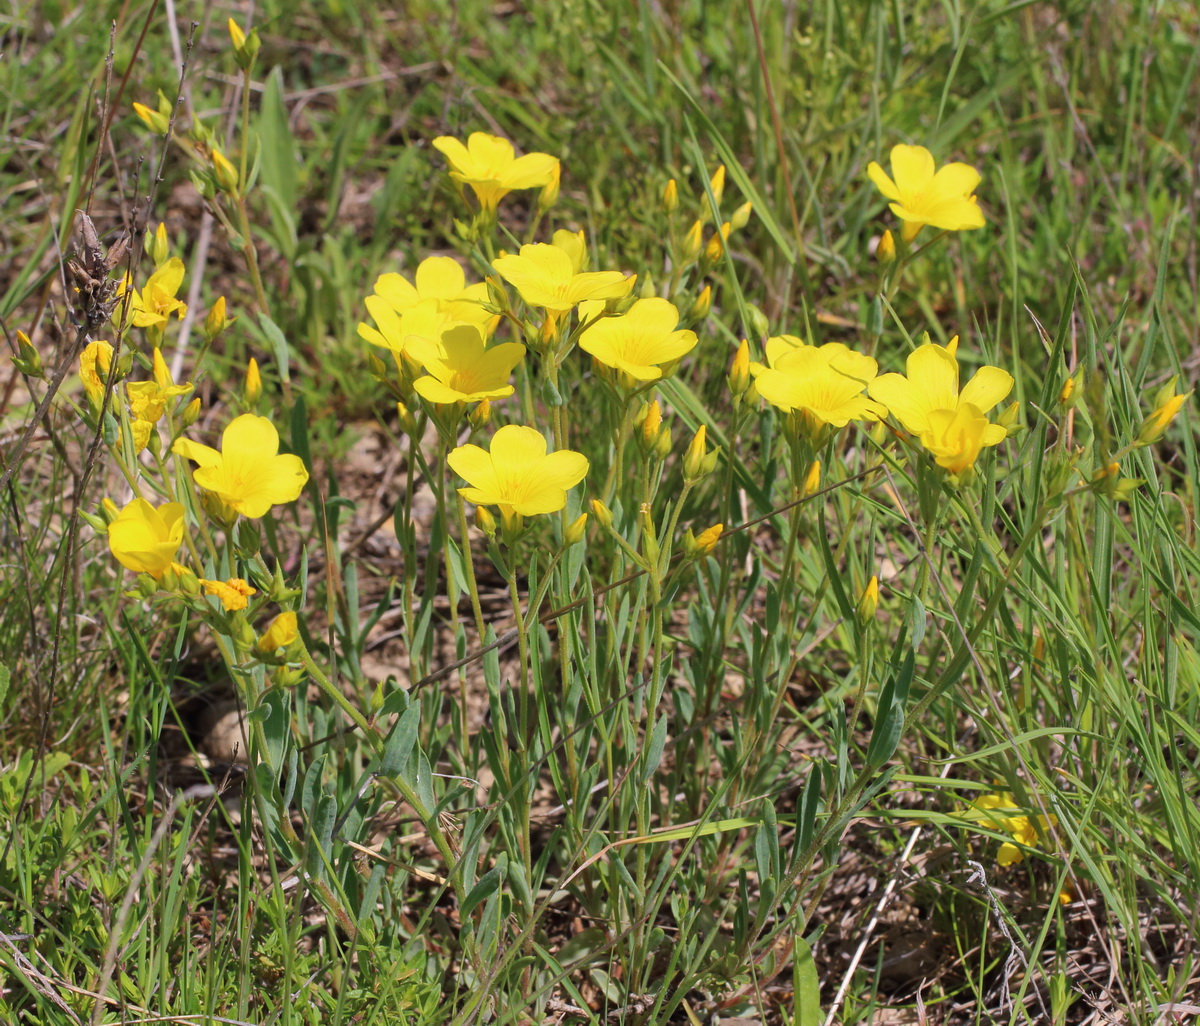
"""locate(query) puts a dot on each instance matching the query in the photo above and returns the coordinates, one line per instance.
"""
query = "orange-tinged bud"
(253, 387)
(155, 120)
(885, 252)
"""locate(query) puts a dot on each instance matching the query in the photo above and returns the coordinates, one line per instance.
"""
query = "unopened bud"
(868, 602)
(707, 539)
(741, 216)
(191, 413)
(717, 183)
(885, 251)
(1068, 395)
(670, 197)
(224, 173)
(408, 423)
(716, 245)
(739, 370)
(245, 47)
(479, 417)
(485, 521)
(1010, 419)
(215, 322)
(156, 121)
(108, 510)
(651, 424)
(701, 305)
(602, 513)
(692, 243)
(549, 194)
(812, 480)
(28, 359)
(576, 529)
(698, 462)
(253, 387)
(155, 245)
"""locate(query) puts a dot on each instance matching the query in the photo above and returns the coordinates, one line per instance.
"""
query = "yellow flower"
(489, 166)
(442, 280)
(707, 539)
(426, 319)
(233, 593)
(461, 368)
(94, 364)
(518, 475)
(954, 438)
(1167, 407)
(280, 633)
(144, 539)
(639, 342)
(153, 306)
(1021, 827)
(147, 399)
(248, 473)
(931, 383)
(545, 276)
(921, 195)
(826, 382)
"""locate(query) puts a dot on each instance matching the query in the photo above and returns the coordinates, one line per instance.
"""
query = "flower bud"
(408, 423)
(215, 322)
(549, 194)
(717, 183)
(1010, 419)
(224, 173)
(812, 480)
(1167, 405)
(253, 387)
(698, 462)
(739, 370)
(97, 524)
(701, 304)
(741, 216)
(602, 513)
(670, 197)
(759, 324)
(155, 120)
(481, 416)
(651, 424)
(868, 602)
(885, 251)
(497, 297)
(108, 510)
(155, 245)
(191, 413)
(485, 520)
(692, 243)
(576, 529)
(1068, 395)
(160, 371)
(245, 47)
(716, 245)
(28, 360)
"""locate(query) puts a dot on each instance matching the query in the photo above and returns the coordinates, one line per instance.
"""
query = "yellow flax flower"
(993, 808)
(280, 633)
(922, 194)
(518, 475)
(148, 399)
(426, 319)
(233, 593)
(249, 473)
(825, 382)
(931, 383)
(94, 364)
(640, 342)
(144, 539)
(153, 306)
(441, 279)
(488, 164)
(545, 276)
(461, 368)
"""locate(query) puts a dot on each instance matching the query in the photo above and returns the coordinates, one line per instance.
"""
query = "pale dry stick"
(110, 956)
(869, 932)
